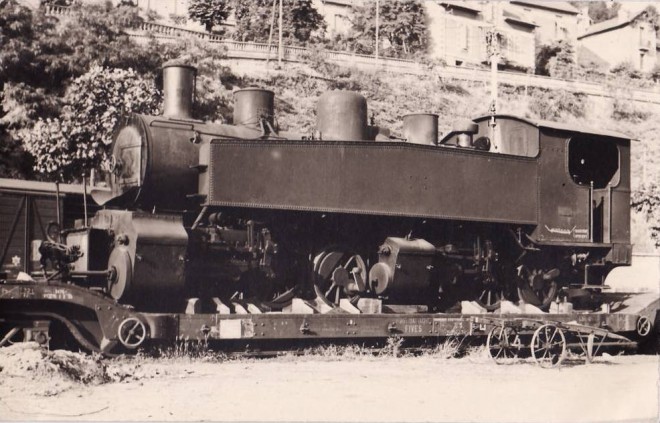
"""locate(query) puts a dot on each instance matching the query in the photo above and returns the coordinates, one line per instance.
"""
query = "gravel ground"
(37, 385)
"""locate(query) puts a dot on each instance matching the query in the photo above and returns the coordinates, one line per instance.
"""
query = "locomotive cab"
(583, 189)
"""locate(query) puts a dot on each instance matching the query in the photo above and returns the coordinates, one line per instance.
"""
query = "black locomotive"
(200, 215)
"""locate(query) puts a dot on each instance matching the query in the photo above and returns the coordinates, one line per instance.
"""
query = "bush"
(74, 142)
(655, 73)
(555, 104)
(647, 201)
(626, 70)
(626, 109)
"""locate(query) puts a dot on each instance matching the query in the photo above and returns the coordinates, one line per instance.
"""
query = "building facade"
(458, 32)
(554, 20)
(337, 15)
(628, 38)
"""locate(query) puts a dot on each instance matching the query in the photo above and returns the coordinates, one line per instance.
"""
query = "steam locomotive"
(199, 216)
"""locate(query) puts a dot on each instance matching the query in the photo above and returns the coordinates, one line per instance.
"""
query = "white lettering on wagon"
(18, 292)
(413, 325)
(57, 294)
(574, 232)
(561, 231)
(412, 329)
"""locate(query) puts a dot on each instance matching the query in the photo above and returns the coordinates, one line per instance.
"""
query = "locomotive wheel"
(548, 346)
(490, 297)
(339, 273)
(540, 298)
(503, 344)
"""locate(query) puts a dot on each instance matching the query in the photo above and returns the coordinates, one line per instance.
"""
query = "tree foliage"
(563, 64)
(45, 54)
(41, 59)
(600, 11)
(402, 27)
(75, 141)
(544, 52)
(647, 201)
(301, 22)
(209, 12)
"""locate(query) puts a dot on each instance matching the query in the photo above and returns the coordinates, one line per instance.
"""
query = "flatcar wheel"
(340, 273)
(503, 344)
(548, 346)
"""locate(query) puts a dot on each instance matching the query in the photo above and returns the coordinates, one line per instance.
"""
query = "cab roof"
(543, 124)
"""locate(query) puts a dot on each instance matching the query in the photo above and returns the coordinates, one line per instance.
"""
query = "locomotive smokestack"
(179, 90)
(254, 108)
(421, 128)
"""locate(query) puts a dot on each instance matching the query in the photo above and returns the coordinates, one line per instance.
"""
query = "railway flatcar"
(347, 231)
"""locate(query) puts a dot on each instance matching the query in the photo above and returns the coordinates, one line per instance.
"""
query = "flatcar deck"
(101, 324)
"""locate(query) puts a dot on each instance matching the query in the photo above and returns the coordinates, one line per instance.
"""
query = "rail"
(261, 51)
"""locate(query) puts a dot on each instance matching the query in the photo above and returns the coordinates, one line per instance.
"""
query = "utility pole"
(279, 48)
(270, 34)
(493, 49)
(377, 28)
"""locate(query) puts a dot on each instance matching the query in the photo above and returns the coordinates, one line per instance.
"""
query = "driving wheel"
(339, 273)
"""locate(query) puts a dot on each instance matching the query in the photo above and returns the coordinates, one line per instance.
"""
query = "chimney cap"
(252, 89)
(174, 64)
(421, 114)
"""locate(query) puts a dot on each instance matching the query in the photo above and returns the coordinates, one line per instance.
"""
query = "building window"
(641, 61)
(464, 37)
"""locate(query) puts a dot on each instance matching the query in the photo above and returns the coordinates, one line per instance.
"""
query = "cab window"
(592, 159)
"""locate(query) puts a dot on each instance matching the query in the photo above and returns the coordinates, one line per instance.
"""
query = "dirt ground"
(37, 385)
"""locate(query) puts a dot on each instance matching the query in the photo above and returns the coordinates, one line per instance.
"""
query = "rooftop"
(609, 25)
(514, 17)
(559, 6)
(467, 5)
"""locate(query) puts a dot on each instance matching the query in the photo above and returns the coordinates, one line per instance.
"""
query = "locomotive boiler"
(199, 216)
